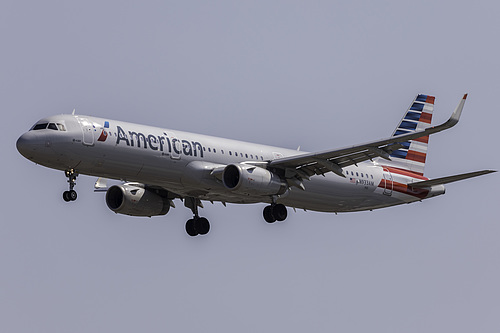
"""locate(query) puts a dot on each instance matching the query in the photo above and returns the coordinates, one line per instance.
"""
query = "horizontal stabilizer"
(449, 179)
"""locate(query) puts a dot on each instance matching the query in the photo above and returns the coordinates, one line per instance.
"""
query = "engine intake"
(136, 201)
(252, 180)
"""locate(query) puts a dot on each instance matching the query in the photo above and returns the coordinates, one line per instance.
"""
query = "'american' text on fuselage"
(161, 143)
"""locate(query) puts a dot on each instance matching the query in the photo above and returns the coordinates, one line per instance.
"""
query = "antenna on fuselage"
(73, 113)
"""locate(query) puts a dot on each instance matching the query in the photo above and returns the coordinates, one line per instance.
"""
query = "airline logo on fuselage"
(104, 133)
(162, 143)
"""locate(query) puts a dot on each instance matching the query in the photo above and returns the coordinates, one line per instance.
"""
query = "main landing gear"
(197, 225)
(275, 212)
(71, 194)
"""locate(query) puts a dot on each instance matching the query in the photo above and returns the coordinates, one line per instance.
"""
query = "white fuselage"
(182, 163)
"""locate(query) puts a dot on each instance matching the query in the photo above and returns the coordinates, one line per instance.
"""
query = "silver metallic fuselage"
(182, 163)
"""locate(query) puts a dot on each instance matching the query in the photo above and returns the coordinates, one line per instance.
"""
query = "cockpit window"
(52, 126)
(39, 126)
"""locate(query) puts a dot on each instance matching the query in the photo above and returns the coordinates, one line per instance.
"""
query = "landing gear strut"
(197, 225)
(275, 212)
(71, 194)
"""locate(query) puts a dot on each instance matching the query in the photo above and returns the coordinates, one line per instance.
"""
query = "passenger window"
(246, 155)
(362, 175)
(357, 174)
(222, 151)
(215, 151)
(230, 153)
(372, 176)
(40, 126)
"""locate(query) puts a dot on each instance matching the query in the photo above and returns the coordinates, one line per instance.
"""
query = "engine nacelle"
(136, 201)
(252, 180)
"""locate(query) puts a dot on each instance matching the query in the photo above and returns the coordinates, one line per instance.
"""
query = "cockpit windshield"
(39, 126)
(52, 126)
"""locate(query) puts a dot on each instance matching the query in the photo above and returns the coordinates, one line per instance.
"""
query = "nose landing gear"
(71, 194)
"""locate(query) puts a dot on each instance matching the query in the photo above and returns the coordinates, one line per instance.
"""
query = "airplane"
(157, 166)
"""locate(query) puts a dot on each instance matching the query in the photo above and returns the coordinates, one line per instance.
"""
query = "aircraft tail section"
(412, 155)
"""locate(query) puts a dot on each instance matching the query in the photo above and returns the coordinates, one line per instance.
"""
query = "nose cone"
(28, 144)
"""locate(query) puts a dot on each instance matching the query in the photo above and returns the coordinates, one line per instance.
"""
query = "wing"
(309, 164)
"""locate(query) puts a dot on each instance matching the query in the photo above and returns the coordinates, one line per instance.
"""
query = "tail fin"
(414, 152)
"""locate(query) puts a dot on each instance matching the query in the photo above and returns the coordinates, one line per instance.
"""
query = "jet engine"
(136, 200)
(252, 180)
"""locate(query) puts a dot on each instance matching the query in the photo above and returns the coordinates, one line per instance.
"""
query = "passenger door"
(88, 131)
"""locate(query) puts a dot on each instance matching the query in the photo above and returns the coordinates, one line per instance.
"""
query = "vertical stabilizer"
(414, 152)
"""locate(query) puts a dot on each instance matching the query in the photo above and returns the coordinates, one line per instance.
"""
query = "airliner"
(155, 166)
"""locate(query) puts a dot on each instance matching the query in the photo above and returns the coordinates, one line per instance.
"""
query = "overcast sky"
(319, 74)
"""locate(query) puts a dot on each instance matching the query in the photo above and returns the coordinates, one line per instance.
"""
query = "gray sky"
(288, 73)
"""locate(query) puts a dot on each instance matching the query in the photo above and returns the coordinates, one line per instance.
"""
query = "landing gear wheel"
(197, 225)
(66, 196)
(72, 195)
(279, 212)
(202, 226)
(268, 214)
(190, 228)
(275, 212)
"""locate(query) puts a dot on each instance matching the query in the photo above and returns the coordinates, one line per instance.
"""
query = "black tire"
(66, 196)
(190, 228)
(72, 195)
(280, 212)
(202, 226)
(268, 214)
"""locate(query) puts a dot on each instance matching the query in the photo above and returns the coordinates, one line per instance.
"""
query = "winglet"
(455, 117)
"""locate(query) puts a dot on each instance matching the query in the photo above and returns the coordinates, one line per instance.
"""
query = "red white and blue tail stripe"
(414, 152)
